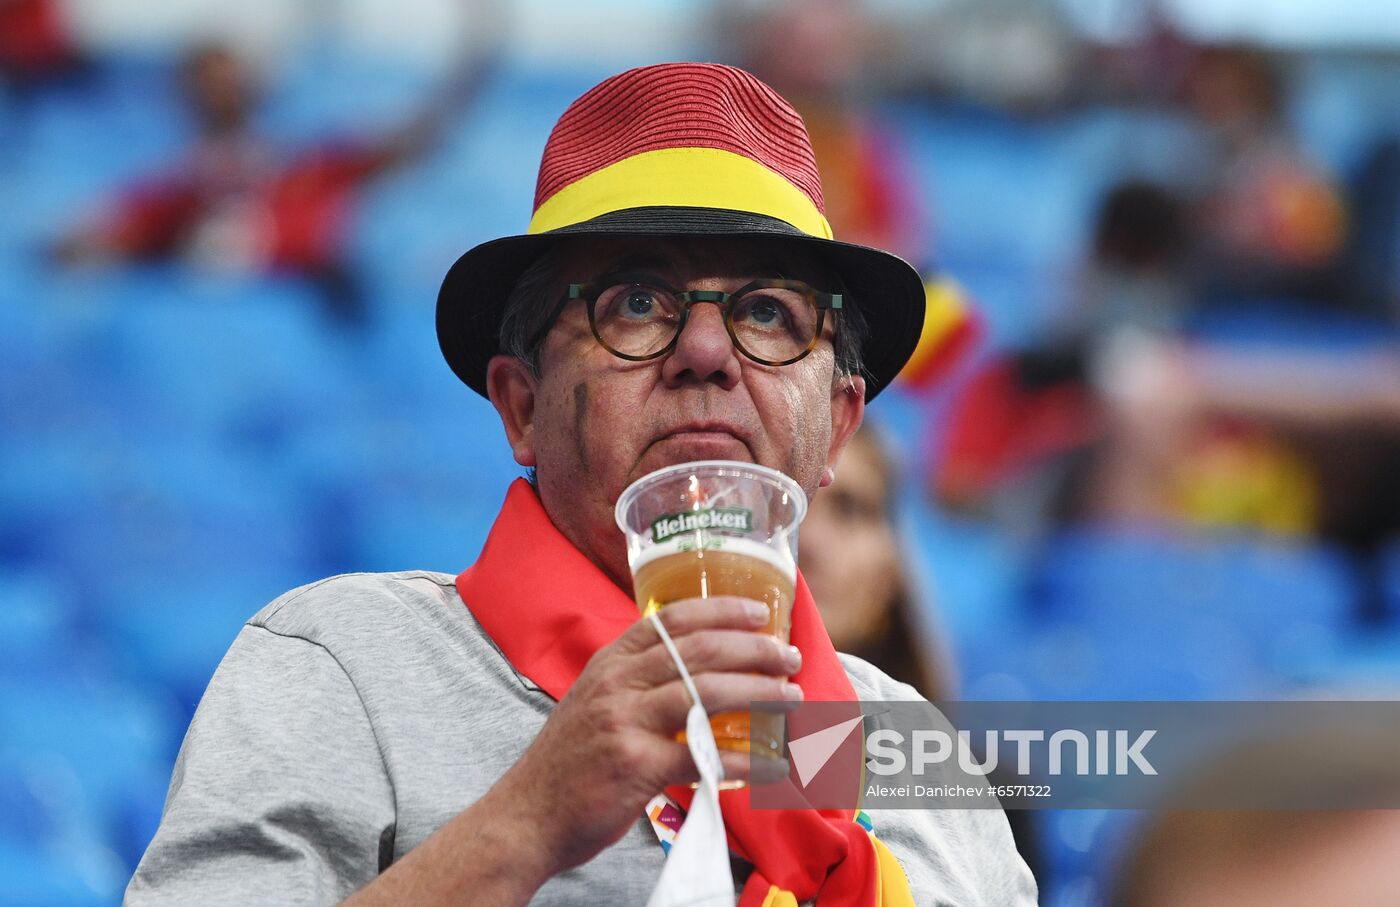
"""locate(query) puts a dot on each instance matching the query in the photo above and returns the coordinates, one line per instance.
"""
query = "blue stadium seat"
(64, 180)
(408, 370)
(1183, 618)
(443, 531)
(43, 481)
(1093, 571)
(974, 573)
(1083, 848)
(37, 876)
(1067, 661)
(80, 755)
(174, 629)
(1364, 664)
(250, 355)
(364, 95)
(1390, 580)
(40, 623)
(1290, 325)
(189, 518)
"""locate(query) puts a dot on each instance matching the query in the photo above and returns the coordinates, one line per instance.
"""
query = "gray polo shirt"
(353, 717)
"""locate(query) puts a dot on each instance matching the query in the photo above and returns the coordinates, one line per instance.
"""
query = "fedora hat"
(679, 149)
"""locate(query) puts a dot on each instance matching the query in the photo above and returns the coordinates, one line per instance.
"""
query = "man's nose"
(703, 352)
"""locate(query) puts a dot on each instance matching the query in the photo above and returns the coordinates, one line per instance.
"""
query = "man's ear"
(847, 411)
(511, 387)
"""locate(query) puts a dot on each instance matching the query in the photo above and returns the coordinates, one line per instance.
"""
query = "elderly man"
(495, 738)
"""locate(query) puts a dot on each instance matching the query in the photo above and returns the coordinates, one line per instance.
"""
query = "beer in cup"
(717, 527)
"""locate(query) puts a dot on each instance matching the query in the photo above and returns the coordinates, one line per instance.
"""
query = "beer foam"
(779, 559)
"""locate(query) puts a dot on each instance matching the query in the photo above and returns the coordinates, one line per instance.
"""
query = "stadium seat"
(77, 753)
(1390, 581)
(247, 356)
(1106, 573)
(1277, 325)
(443, 532)
(37, 876)
(1114, 615)
(174, 630)
(40, 623)
(1364, 663)
(972, 573)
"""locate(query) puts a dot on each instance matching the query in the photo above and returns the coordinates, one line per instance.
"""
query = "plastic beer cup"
(717, 527)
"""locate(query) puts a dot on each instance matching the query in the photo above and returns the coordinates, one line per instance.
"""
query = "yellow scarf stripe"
(681, 177)
(891, 884)
(777, 897)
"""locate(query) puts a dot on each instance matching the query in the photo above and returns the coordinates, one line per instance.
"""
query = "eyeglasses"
(771, 321)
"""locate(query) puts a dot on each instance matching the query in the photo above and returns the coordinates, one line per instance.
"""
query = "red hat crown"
(678, 105)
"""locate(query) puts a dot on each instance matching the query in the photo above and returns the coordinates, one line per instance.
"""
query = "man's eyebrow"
(644, 261)
(638, 261)
(768, 268)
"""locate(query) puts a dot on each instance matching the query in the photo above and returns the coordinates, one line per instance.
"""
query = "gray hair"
(530, 306)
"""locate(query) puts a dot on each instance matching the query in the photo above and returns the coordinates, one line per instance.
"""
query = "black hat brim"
(887, 289)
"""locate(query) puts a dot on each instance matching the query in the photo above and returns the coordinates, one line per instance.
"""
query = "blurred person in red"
(1122, 417)
(238, 202)
(36, 44)
(1028, 419)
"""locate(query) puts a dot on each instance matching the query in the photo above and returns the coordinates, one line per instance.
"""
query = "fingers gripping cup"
(716, 527)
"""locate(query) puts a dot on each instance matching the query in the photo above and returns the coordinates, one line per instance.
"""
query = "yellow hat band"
(685, 178)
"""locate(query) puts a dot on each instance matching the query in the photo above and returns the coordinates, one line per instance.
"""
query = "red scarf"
(551, 625)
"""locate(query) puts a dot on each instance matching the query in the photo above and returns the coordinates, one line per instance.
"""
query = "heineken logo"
(732, 518)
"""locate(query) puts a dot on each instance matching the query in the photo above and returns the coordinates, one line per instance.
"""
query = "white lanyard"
(697, 868)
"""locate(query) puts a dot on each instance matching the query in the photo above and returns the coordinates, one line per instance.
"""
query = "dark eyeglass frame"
(589, 293)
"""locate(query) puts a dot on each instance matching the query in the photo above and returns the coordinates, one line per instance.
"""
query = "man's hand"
(609, 747)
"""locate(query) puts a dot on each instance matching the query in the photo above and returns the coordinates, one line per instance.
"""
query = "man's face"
(593, 423)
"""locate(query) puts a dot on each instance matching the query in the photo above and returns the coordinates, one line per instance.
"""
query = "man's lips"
(700, 434)
(705, 434)
(703, 428)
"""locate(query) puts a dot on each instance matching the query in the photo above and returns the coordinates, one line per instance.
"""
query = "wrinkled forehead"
(688, 258)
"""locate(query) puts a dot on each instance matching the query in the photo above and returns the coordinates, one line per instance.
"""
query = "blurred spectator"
(816, 53)
(1302, 441)
(1280, 858)
(851, 557)
(1137, 275)
(853, 560)
(240, 203)
(1006, 54)
(1026, 416)
(1271, 222)
(1150, 67)
(1118, 416)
